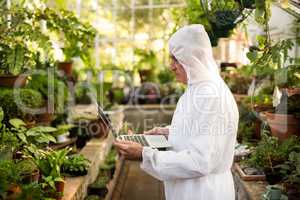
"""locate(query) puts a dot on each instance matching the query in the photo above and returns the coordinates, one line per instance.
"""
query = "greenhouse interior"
(150, 99)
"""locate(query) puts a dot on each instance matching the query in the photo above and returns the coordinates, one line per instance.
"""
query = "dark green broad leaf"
(252, 55)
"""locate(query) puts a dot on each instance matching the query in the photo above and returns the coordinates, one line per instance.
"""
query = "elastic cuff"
(147, 153)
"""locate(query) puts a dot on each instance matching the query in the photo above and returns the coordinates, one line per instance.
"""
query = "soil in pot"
(282, 126)
(12, 81)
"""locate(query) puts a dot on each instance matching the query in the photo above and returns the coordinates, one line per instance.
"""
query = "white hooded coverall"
(203, 129)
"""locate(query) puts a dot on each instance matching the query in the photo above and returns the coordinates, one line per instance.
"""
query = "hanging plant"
(218, 17)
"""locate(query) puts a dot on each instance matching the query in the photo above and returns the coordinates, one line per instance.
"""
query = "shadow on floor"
(135, 184)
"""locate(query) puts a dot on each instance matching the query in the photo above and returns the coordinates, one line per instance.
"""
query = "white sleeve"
(190, 163)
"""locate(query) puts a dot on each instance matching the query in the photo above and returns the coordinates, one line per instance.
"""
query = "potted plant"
(218, 17)
(9, 180)
(284, 121)
(269, 154)
(9, 142)
(39, 135)
(13, 102)
(28, 171)
(62, 132)
(291, 173)
(99, 187)
(146, 65)
(31, 191)
(76, 165)
(77, 37)
(108, 168)
(54, 102)
(19, 28)
(50, 164)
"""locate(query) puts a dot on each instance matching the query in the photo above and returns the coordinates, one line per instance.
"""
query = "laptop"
(154, 141)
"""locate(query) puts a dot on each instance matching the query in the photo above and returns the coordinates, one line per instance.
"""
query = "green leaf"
(17, 123)
(44, 129)
(22, 137)
(1, 116)
(252, 55)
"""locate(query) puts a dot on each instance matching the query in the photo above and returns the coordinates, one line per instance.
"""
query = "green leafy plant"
(26, 167)
(13, 107)
(291, 169)
(8, 176)
(76, 165)
(147, 64)
(47, 81)
(267, 59)
(218, 17)
(32, 191)
(39, 135)
(237, 83)
(77, 36)
(270, 153)
(8, 140)
(20, 32)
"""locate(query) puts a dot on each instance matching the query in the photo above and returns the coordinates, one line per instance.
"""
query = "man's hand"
(130, 150)
(158, 131)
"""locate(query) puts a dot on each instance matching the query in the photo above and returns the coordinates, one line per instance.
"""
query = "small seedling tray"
(246, 177)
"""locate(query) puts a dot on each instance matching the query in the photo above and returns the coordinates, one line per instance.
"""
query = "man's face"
(178, 69)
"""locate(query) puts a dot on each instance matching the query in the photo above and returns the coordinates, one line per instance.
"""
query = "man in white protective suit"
(203, 129)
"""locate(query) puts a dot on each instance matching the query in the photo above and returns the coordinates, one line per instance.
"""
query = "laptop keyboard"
(136, 138)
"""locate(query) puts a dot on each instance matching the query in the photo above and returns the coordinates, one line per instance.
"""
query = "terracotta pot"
(98, 129)
(13, 191)
(31, 178)
(291, 91)
(66, 67)
(261, 108)
(59, 185)
(45, 118)
(282, 126)
(12, 81)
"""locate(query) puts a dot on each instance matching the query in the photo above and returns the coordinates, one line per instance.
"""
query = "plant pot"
(66, 67)
(12, 81)
(45, 118)
(291, 91)
(283, 126)
(98, 129)
(63, 137)
(97, 189)
(59, 185)
(13, 191)
(31, 178)
(272, 176)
